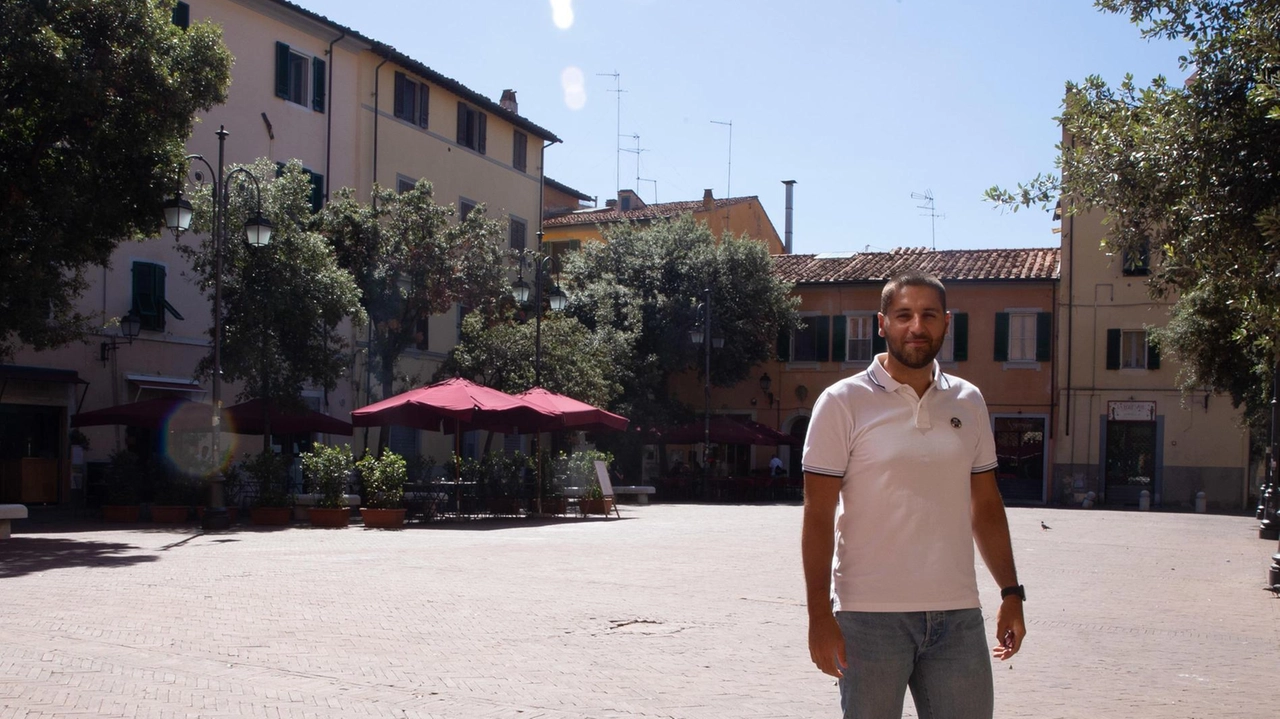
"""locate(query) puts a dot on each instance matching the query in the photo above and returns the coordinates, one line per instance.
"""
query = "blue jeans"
(942, 656)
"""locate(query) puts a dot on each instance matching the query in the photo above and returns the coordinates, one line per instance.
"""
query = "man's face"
(915, 326)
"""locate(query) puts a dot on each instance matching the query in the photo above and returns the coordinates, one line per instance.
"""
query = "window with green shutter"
(960, 337)
(300, 78)
(149, 301)
(472, 127)
(182, 15)
(318, 77)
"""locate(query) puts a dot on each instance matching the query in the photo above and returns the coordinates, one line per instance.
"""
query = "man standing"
(899, 484)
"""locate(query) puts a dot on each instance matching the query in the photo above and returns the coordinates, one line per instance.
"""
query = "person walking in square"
(899, 485)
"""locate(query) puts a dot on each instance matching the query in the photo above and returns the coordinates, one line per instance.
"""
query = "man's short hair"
(910, 278)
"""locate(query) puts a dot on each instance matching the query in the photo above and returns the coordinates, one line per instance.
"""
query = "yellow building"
(1126, 427)
(736, 215)
(353, 111)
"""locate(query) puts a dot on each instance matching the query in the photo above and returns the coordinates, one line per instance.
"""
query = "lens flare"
(575, 90)
(562, 13)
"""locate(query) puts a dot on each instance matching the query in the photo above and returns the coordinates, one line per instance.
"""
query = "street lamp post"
(557, 299)
(703, 335)
(177, 217)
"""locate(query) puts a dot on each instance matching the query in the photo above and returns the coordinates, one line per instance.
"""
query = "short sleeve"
(984, 458)
(826, 445)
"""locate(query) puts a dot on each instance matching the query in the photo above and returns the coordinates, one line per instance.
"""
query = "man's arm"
(817, 547)
(991, 534)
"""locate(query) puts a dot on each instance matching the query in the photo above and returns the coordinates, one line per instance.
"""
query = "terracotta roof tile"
(603, 215)
(1019, 264)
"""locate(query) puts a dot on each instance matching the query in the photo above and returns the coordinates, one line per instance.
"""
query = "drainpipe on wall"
(328, 132)
(368, 346)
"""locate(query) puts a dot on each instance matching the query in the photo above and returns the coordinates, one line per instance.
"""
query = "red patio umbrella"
(723, 431)
(574, 414)
(177, 414)
(776, 437)
(246, 418)
(459, 400)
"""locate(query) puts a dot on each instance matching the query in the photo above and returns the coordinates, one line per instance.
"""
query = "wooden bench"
(9, 512)
(640, 492)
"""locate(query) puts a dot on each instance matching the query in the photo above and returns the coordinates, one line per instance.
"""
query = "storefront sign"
(1131, 411)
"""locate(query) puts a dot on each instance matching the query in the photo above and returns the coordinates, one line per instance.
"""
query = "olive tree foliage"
(1192, 170)
(282, 304)
(644, 284)
(96, 100)
(411, 261)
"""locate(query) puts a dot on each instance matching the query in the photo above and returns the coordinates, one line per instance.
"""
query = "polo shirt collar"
(880, 376)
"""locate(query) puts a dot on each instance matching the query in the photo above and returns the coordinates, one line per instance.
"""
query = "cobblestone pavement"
(672, 611)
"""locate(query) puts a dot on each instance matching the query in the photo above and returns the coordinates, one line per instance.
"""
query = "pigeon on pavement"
(1044, 526)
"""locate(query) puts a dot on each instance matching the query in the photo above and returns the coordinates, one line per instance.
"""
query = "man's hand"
(826, 645)
(1010, 629)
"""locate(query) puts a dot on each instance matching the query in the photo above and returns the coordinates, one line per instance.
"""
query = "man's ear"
(880, 323)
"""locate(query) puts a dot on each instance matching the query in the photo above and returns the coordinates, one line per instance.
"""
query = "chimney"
(508, 102)
(786, 244)
(610, 203)
(708, 202)
(629, 200)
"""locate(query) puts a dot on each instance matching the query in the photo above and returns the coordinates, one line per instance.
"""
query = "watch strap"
(1015, 591)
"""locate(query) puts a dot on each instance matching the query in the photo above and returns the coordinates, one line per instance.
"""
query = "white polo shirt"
(904, 541)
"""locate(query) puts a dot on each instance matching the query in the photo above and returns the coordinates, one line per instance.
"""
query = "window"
(411, 100)
(518, 229)
(317, 185)
(1138, 262)
(299, 77)
(862, 328)
(1023, 336)
(520, 151)
(472, 125)
(557, 250)
(404, 184)
(1131, 349)
(404, 441)
(182, 15)
(149, 301)
(422, 333)
(810, 343)
(465, 207)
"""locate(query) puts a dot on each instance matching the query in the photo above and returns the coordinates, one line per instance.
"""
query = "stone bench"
(640, 492)
(9, 512)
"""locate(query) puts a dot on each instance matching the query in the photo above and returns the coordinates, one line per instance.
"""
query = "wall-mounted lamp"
(766, 382)
(130, 326)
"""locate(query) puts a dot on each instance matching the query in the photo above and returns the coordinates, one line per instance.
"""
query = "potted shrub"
(593, 500)
(270, 479)
(383, 480)
(580, 471)
(124, 476)
(502, 482)
(328, 468)
(551, 488)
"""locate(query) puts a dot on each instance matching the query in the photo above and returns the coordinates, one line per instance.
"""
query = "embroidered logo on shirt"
(955, 422)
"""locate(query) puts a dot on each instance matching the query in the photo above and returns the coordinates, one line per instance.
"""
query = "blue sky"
(862, 102)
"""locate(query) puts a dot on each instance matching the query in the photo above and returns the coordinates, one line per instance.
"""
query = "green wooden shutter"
(1113, 349)
(146, 303)
(960, 336)
(481, 122)
(877, 342)
(823, 350)
(317, 190)
(422, 104)
(839, 338)
(182, 15)
(1002, 337)
(282, 70)
(397, 99)
(1044, 336)
(784, 346)
(317, 84)
(462, 123)
(1153, 354)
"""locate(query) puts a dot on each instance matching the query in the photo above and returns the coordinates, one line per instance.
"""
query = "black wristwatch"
(1017, 591)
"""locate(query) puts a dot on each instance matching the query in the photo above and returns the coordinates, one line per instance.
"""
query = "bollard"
(1089, 500)
(1200, 503)
(1144, 501)
(1273, 574)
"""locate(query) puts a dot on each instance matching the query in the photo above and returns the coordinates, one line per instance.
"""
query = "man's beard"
(915, 357)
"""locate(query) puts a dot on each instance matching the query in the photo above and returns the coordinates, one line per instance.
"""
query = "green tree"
(282, 303)
(96, 101)
(644, 284)
(410, 262)
(1191, 172)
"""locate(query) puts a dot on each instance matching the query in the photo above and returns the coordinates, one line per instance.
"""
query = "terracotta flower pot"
(321, 517)
(269, 516)
(555, 505)
(119, 512)
(169, 514)
(382, 518)
(596, 506)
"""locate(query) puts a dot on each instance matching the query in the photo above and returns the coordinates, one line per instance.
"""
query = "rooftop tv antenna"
(617, 144)
(928, 205)
(636, 150)
(728, 188)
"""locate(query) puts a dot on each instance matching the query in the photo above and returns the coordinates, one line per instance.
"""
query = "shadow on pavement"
(25, 555)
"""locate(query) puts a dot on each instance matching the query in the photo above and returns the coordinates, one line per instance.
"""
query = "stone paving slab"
(673, 611)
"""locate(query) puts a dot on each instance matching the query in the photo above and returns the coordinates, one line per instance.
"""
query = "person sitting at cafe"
(775, 467)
